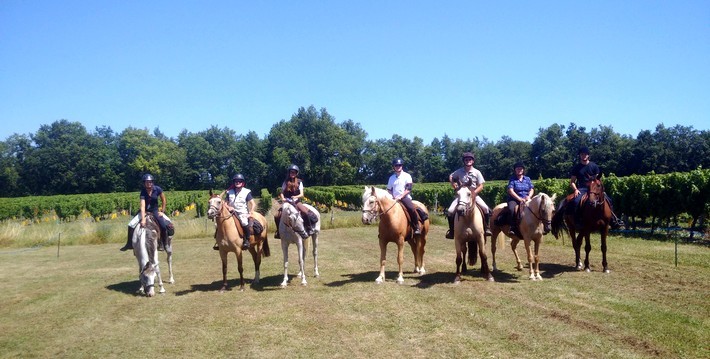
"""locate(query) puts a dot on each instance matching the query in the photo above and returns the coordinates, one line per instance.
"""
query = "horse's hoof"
(171, 281)
(457, 280)
(241, 289)
(304, 284)
(607, 271)
(283, 285)
(400, 281)
(490, 279)
(587, 270)
(532, 277)
(422, 271)
(162, 290)
(379, 280)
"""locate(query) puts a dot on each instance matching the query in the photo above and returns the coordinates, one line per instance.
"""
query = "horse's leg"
(604, 233)
(577, 244)
(531, 261)
(459, 259)
(400, 261)
(314, 243)
(494, 239)
(587, 249)
(223, 255)
(421, 243)
(514, 246)
(284, 248)
(413, 244)
(537, 258)
(383, 259)
(302, 260)
(485, 270)
(240, 267)
(170, 264)
(256, 252)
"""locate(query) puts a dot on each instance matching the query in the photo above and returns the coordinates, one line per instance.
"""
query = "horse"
(145, 249)
(468, 227)
(535, 219)
(290, 226)
(595, 214)
(394, 227)
(230, 239)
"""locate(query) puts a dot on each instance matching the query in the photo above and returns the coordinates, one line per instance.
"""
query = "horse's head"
(595, 194)
(147, 277)
(370, 207)
(545, 209)
(291, 217)
(215, 206)
(464, 200)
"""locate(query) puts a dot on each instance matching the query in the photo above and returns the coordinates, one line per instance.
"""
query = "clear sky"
(414, 68)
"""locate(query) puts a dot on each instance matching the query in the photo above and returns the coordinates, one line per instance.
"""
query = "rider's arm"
(164, 203)
(142, 205)
(250, 206)
(572, 183)
(478, 189)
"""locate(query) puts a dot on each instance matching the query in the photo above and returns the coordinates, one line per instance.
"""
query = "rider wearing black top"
(581, 175)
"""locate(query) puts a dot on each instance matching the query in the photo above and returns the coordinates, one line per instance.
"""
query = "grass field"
(82, 303)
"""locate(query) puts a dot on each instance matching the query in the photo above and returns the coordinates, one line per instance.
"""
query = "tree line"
(65, 158)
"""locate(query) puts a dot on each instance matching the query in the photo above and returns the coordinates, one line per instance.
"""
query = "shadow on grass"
(129, 287)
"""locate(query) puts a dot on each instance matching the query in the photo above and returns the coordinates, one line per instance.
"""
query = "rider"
(399, 186)
(292, 192)
(240, 203)
(580, 176)
(520, 189)
(149, 203)
(476, 181)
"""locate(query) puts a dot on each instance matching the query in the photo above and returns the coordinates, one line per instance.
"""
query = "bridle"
(598, 194)
(375, 212)
(540, 215)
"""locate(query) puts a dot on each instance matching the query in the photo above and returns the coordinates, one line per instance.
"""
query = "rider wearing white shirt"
(400, 186)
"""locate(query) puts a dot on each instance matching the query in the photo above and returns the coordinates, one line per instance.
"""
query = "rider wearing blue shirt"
(520, 188)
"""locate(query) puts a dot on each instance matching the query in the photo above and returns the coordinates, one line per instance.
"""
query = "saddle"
(256, 227)
(421, 215)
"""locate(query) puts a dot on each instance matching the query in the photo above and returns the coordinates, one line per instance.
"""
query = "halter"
(601, 199)
(218, 210)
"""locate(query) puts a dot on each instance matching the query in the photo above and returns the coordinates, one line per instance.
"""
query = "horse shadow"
(265, 284)
(128, 287)
(363, 277)
(552, 270)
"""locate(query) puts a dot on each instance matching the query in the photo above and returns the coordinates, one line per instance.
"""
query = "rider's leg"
(450, 213)
(513, 221)
(277, 219)
(131, 227)
(413, 218)
(247, 231)
(615, 222)
(486, 215)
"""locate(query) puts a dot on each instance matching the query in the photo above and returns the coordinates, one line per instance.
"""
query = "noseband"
(540, 215)
(375, 210)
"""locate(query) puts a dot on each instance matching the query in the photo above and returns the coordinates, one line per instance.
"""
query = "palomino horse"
(290, 226)
(535, 218)
(145, 248)
(230, 239)
(394, 227)
(468, 226)
(595, 214)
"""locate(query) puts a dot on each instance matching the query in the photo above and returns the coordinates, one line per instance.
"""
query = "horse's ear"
(554, 196)
(211, 194)
(374, 193)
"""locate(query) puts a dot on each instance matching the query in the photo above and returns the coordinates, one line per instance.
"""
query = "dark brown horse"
(595, 213)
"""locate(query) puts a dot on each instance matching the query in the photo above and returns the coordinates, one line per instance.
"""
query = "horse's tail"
(472, 252)
(265, 246)
(558, 224)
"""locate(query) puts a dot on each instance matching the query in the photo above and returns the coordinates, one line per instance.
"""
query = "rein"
(539, 215)
(376, 212)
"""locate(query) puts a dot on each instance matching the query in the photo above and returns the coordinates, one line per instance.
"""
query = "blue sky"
(414, 68)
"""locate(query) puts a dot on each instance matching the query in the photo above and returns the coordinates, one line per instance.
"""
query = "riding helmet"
(148, 177)
(519, 164)
(583, 149)
(238, 176)
(293, 168)
(466, 155)
(397, 162)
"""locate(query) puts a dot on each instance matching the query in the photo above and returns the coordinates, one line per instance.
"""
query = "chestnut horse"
(230, 238)
(535, 219)
(468, 226)
(595, 214)
(394, 227)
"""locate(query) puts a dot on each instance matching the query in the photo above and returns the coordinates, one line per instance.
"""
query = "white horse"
(145, 248)
(290, 226)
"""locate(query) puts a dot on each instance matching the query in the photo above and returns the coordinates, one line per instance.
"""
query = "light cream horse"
(535, 222)
(468, 226)
(290, 225)
(394, 227)
(230, 239)
(145, 248)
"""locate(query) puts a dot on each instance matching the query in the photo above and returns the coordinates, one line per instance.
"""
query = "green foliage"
(265, 202)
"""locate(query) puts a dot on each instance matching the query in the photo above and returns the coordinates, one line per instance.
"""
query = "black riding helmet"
(239, 177)
(397, 161)
(518, 164)
(148, 177)
(293, 168)
(466, 155)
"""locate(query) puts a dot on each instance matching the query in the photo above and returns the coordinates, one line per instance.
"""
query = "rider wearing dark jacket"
(580, 175)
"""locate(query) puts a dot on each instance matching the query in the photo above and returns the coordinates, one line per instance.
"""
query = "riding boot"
(129, 242)
(307, 225)
(247, 234)
(161, 240)
(615, 222)
(417, 228)
(486, 224)
(513, 231)
(277, 219)
(450, 232)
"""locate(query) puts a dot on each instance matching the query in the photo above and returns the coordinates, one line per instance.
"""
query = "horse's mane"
(379, 193)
